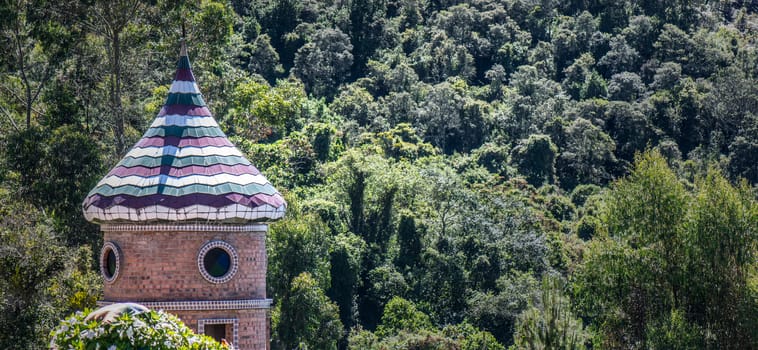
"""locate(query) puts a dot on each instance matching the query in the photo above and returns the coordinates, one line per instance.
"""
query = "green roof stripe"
(184, 131)
(176, 162)
(185, 99)
(221, 189)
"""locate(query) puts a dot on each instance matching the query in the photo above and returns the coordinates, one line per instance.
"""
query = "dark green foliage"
(594, 87)
(493, 157)
(620, 58)
(498, 312)
(450, 153)
(324, 63)
(409, 241)
(305, 317)
(41, 280)
(264, 59)
(296, 246)
(323, 139)
(587, 155)
(587, 227)
(625, 87)
(450, 120)
(535, 158)
(661, 259)
(57, 170)
(366, 30)
(345, 258)
(580, 193)
(405, 327)
(742, 159)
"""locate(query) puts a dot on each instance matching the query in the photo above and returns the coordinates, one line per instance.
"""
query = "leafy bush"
(153, 330)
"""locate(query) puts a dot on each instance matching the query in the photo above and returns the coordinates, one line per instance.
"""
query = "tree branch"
(10, 117)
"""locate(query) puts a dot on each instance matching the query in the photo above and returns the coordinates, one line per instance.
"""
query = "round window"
(110, 261)
(217, 261)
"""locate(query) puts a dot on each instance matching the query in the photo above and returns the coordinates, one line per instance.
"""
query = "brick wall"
(162, 266)
(252, 326)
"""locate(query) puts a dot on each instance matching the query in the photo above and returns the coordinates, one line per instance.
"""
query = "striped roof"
(184, 169)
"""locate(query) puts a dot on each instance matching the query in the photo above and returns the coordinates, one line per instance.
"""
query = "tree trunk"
(116, 91)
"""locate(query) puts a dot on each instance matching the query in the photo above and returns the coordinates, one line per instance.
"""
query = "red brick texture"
(161, 266)
(252, 330)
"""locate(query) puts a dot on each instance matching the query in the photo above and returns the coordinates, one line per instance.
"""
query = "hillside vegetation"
(482, 174)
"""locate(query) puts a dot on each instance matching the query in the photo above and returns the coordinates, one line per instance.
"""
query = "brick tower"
(184, 217)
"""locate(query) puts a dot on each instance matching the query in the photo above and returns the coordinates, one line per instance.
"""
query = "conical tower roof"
(184, 169)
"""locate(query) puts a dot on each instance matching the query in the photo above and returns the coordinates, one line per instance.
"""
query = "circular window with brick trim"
(110, 261)
(217, 261)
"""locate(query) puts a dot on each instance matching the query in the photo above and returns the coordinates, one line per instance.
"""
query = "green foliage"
(149, 329)
(427, 150)
(535, 158)
(587, 227)
(580, 193)
(216, 20)
(498, 312)
(403, 143)
(661, 256)
(594, 86)
(472, 338)
(493, 157)
(409, 241)
(674, 332)
(587, 155)
(404, 327)
(40, 279)
(256, 108)
(345, 258)
(297, 245)
(355, 103)
(324, 140)
(401, 315)
(305, 318)
(550, 324)
(323, 63)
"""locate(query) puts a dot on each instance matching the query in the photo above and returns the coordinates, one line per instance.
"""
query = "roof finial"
(183, 51)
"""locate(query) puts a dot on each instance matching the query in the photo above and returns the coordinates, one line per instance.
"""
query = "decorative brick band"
(201, 227)
(232, 321)
(200, 305)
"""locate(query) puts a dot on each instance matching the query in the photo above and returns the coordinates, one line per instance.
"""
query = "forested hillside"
(478, 174)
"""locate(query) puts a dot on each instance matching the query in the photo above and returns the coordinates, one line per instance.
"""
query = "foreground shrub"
(150, 329)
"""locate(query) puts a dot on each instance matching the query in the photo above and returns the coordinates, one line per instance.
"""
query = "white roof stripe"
(184, 120)
(184, 87)
(192, 212)
(210, 180)
(178, 152)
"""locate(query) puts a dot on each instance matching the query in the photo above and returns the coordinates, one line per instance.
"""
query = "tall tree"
(37, 41)
(305, 318)
(111, 19)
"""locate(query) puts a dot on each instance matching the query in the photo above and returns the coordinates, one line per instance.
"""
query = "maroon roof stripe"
(239, 169)
(185, 110)
(211, 200)
(184, 75)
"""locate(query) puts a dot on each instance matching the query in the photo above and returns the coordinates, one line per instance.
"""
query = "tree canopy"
(461, 174)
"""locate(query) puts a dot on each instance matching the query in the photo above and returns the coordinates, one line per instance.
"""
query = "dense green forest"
(482, 174)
